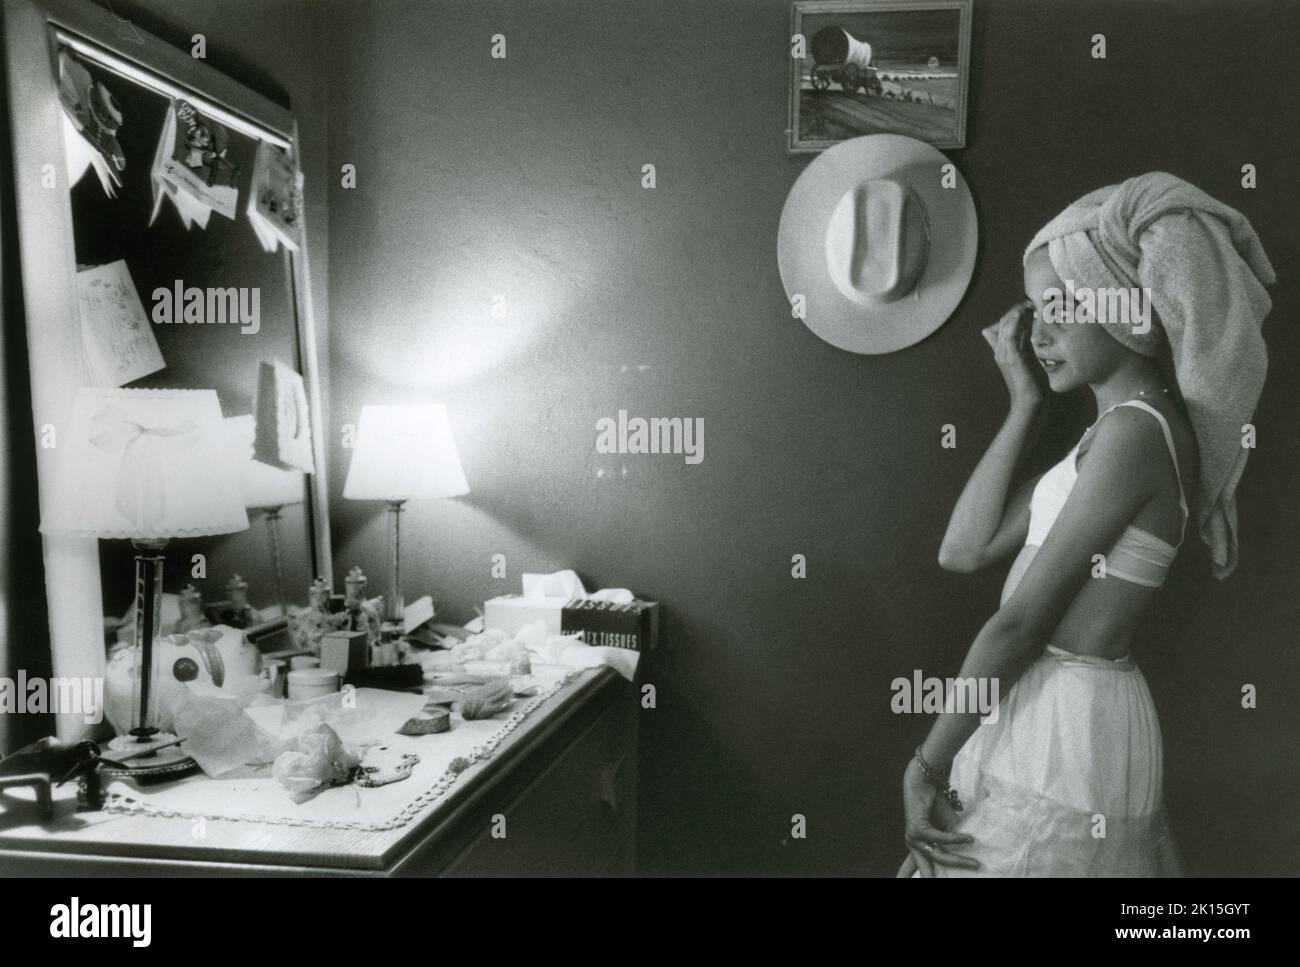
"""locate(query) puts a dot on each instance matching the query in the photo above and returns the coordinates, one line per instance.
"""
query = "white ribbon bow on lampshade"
(141, 495)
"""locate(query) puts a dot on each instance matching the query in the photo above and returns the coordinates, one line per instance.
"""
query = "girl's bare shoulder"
(1180, 427)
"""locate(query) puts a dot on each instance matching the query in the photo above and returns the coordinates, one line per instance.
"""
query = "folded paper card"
(91, 119)
(119, 345)
(275, 199)
(283, 436)
(192, 168)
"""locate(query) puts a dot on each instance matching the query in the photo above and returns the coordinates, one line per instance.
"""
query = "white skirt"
(1067, 781)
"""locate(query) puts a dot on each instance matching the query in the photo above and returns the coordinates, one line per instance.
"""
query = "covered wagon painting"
(879, 66)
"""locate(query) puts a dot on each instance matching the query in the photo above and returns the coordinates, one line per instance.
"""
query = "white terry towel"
(1205, 270)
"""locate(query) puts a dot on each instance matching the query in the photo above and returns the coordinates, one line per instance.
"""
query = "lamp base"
(148, 625)
(169, 763)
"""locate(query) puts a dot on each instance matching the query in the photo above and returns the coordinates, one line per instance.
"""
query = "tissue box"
(511, 612)
(344, 652)
(633, 626)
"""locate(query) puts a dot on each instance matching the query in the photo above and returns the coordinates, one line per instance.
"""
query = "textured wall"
(521, 178)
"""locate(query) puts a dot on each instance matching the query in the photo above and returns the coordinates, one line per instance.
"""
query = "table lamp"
(264, 488)
(403, 453)
(145, 465)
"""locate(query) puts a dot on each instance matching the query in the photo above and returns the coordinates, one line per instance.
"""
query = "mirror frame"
(48, 265)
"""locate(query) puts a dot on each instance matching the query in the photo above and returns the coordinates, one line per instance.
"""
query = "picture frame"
(878, 67)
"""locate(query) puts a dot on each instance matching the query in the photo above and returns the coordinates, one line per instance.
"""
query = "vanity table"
(565, 781)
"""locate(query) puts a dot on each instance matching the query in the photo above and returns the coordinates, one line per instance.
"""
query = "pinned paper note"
(120, 347)
(275, 199)
(191, 166)
(283, 420)
(91, 118)
(191, 210)
(81, 157)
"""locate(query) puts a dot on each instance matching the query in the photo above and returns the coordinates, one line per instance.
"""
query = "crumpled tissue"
(317, 760)
(493, 651)
(567, 585)
(307, 745)
(220, 736)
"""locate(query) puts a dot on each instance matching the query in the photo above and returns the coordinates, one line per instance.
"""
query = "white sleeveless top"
(1138, 556)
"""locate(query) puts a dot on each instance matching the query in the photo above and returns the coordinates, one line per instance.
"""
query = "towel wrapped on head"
(1205, 271)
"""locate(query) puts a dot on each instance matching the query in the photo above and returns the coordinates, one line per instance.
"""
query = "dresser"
(565, 782)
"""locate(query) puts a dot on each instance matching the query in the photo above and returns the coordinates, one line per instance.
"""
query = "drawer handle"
(611, 788)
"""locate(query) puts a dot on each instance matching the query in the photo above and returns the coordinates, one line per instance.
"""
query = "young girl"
(1066, 779)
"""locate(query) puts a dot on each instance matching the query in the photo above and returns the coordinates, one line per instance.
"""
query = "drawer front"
(577, 817)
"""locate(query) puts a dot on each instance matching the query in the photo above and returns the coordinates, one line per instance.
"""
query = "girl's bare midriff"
(1103, 617)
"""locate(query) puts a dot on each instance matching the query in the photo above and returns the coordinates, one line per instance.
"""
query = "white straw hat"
(878, 248)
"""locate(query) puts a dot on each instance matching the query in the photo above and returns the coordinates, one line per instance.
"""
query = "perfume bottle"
(318, 597)
(363, 615)
(307, 626)
(241, 613)
(192, 617)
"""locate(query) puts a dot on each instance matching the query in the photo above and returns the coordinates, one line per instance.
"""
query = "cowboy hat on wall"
(877, 243)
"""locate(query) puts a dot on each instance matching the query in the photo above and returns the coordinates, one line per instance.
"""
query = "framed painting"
(879, 67)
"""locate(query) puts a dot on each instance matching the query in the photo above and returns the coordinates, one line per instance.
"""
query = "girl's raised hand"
(1009, 338)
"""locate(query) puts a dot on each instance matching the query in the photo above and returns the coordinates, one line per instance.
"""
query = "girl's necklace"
(1142, 393)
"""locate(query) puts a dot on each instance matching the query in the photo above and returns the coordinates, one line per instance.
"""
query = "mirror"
(89, 248)
(213, 354)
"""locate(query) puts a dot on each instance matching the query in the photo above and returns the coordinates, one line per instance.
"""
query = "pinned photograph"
(879, 67)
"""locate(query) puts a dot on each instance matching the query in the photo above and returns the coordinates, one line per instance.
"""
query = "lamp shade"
(144, 464)
(260, 485)
(404, 453)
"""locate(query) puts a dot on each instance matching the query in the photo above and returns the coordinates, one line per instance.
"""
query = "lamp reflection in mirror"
(403, 453)
(264, 488)
(145, 466)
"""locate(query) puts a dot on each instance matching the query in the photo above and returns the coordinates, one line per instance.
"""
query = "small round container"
(312, 683)
(274, 670)
(304, 661)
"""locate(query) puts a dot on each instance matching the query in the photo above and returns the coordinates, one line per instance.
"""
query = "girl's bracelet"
(937, 779)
